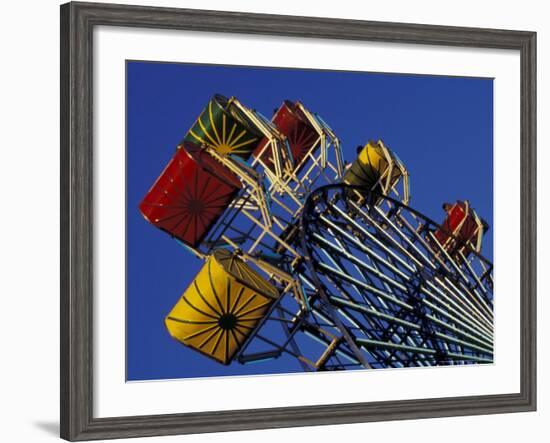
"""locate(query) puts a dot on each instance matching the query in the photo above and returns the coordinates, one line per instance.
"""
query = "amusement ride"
(311, 257)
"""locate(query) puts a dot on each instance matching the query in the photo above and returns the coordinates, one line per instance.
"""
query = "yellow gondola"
(221, 307)
(377, 169)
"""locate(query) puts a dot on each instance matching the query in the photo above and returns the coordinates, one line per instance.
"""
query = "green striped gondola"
(222, 126)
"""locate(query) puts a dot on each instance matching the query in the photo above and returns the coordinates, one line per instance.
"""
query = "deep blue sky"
(441, 128)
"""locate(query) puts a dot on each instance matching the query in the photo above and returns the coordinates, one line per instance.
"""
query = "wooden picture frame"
(77, 217)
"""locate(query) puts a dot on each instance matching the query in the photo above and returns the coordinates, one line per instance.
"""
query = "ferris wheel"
(309, 259)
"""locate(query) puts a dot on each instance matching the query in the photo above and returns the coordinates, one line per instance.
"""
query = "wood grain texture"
(77, 23)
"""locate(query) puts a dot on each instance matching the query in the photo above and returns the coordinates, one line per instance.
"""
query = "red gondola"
(189, 195)
(463, 223)
(301, 135)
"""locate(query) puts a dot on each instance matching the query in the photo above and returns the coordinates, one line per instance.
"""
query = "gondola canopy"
(374, 169)
(190, 195)
(221, 307)
(225, 128)
(301, 135)
(462, 226)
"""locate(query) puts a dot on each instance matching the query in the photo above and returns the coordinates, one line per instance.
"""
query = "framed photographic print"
(273, 221)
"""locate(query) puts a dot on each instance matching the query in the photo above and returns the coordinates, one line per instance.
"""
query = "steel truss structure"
(397, 291)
